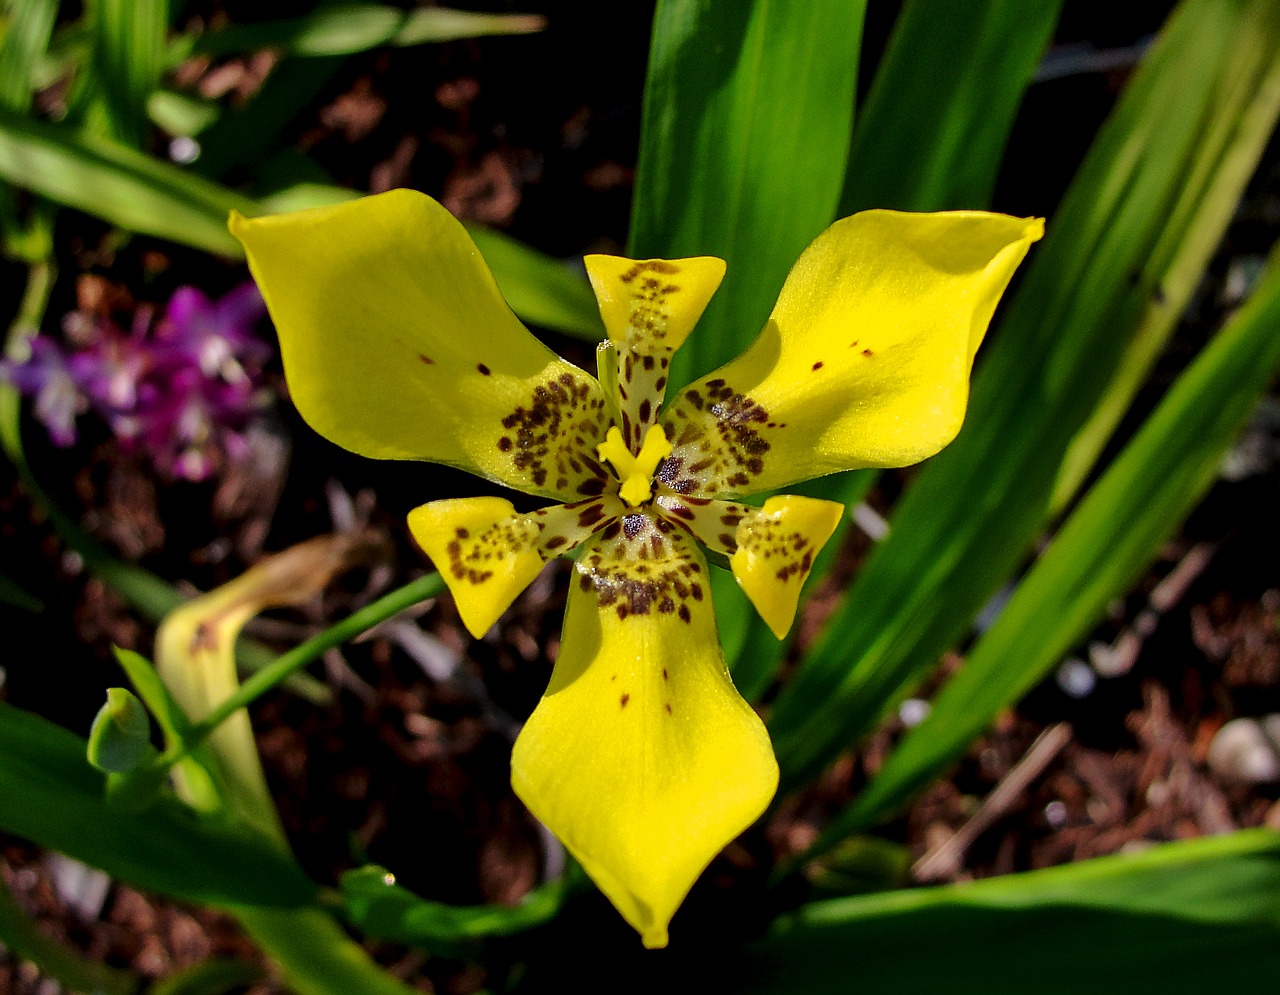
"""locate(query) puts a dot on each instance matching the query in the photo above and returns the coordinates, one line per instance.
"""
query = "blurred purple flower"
(216, 336)
(47, 376)
(182, 390)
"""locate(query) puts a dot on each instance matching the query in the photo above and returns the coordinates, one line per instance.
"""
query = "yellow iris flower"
(641, 756)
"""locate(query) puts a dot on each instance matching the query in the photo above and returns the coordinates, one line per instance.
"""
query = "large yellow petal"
(398, 345)
(641, 756)
(865, 359)
(488, 554)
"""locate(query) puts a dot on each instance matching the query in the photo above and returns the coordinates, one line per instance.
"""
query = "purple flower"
(182, 389)
(189, 422)
(52, 380)
(216, 336)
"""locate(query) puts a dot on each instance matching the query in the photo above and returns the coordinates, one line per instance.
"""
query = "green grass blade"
(973, 512)
(117, 184)
(745, 134)
(541, 289)
(929, 136)
(1181, 919)
(128, 57)
(384, 910)
(26, 39)
(13, 593)
(1118, 529)
(50, 795)
(347, 28)
(932, 131)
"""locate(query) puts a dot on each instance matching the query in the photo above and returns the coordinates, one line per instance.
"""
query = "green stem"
(289, 663)
(315, 955)
(64, 965)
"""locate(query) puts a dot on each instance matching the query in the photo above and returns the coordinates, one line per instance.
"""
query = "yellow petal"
(488, 554)
(776, 546)
(649, 306)
(641, 756)
(865, 359)
(398, 345)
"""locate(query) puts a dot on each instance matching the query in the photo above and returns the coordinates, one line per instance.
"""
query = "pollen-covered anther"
(635, 472)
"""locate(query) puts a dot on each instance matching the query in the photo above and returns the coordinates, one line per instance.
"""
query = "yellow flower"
(641, 756)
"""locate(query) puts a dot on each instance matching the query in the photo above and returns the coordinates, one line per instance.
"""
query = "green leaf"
(1102, 549)
(120, 737)
(1181, 919)
(931, 134)
(115, 183)
(745, 133)
(12, 593)
(346, 28)
(181, 114)
(386, 911)
(216, 976)
(1151, 194)
(50, 795)
(128, 58)
(26, 37)
(541, 289)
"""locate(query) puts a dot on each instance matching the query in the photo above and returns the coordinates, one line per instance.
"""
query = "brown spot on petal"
(622, 702)
(484, 370)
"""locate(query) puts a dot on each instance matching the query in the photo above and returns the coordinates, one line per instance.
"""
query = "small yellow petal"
(650, 306)
(398, 345)
(776, 547)
(488, 554)
(641, 756)
(865, 359)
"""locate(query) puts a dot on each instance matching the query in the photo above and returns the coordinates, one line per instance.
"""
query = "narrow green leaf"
(120, 737)
(50, 795)
(745, 134)
(25, 40)
(181, 114)
(1151, 182)
(216, 976)
(12, 593)
(346, 28)
(1182, 919)
(128, 57)
(244, 136)
(122, 186)
(1102, 549)
(541, 289)
(386, 911)
(931, 134)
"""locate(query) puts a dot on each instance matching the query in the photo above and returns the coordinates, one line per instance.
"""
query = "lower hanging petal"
(488, 554)
(642, 757)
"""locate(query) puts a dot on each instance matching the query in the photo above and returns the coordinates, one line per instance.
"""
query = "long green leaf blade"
(743, 149)
(114, 182)
(932, 132)
(49, 794)
(128, 55)
(1183, 919)
(973, 512)
(347, 28)
(1102, 549)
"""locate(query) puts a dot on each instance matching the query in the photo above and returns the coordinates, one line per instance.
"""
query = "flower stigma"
(635, 471)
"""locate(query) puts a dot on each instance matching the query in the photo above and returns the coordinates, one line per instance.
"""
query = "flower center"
(635, 471)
